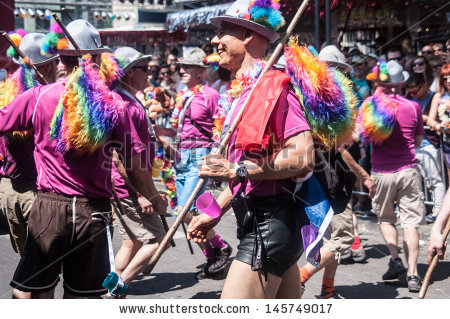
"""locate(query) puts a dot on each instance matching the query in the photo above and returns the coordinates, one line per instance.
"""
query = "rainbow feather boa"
(17, 83)
(325, 94)
(377, 117)
(168, 178)
(110, 70)
(87, 111)
(54, 41)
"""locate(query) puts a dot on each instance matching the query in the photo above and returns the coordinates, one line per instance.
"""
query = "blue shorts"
(187, 173)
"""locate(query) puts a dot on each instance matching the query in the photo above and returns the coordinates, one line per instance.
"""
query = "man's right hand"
(160, 203)
(146, 206)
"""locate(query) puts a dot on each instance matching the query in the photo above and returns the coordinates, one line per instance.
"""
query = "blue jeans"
(187, 173)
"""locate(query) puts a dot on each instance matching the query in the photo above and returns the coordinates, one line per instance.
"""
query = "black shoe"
(220, 259)
(414, 283)
(395, 269)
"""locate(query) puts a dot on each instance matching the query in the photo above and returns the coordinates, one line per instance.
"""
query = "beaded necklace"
(179, 102)
(444, 107)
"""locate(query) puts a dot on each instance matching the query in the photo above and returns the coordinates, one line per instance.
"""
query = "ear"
(248, 37)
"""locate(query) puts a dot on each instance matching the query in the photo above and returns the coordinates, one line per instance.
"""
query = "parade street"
(174, 275)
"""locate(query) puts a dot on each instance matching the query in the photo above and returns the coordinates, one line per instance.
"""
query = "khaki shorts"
(135, 224)
(16, 198)
(339, 236)
(403, 187)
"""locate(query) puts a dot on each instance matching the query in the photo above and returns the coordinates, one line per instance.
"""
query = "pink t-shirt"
(69, 174)
(139, 119)
(286, 120)
(397, 153)
(202, 109)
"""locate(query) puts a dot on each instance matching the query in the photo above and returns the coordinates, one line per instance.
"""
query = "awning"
(191, 18)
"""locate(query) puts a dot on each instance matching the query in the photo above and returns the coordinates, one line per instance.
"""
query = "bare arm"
(437, 244)
(432, 115)
(295, 158)
(359, 171)
(224, 199)
(418, 140)
(140, 177)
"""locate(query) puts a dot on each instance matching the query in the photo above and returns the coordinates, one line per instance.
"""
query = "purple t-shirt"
(286, 120)
(20, 150)
(397, 153)
(202, 109)
(71, 174)
(139, 119)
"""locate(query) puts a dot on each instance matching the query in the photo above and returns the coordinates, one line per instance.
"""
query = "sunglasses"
(143, 68)
(395, 59)
(418, 64)
(163, 73)
(427, 52)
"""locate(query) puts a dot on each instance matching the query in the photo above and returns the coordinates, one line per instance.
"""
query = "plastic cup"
(157, 166)
(115, 284)
(208, 205)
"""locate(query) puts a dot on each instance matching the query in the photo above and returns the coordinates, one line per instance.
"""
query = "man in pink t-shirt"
(195, 112)
(260, 186)
(66, 228)
(398, 180)
(141, 232)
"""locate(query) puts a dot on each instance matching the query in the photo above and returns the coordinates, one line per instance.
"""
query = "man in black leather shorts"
(272, 144)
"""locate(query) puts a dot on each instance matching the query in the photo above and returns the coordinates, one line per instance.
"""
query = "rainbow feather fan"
(377, 117)
(54, 41)
(325, 94)
(267, 13)
(16, 36)
(110, 70)
(17, 83)
(87, 111)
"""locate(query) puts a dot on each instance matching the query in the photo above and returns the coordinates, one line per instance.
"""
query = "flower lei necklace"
(179, 102)
(444, 108)
(235, 90)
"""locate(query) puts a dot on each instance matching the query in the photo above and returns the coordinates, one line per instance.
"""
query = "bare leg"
(326, 257)
(243, 283)
(18, 294)
(126, 253)
(329, 270)
(411, 246)
(290, 287)
(389, 233)
(140, 260)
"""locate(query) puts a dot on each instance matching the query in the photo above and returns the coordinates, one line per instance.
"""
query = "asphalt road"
(175, 274)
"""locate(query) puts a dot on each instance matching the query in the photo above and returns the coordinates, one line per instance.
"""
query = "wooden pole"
(23, 56)
(426, 279)
(69, 37)
(226, 138)
(67, 13)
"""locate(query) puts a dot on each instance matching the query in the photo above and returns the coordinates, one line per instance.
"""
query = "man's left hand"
(218, 168)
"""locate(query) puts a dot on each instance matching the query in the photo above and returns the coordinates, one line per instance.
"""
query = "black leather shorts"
(277, 224)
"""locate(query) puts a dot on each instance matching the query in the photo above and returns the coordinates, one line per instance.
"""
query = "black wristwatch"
(241, 171)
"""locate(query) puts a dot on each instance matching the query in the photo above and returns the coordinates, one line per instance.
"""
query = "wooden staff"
(67, 13)
(69, 37)
(227, 137)
(23, 56)
(426, 280)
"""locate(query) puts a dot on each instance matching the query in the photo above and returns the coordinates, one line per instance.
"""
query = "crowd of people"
(83, 145)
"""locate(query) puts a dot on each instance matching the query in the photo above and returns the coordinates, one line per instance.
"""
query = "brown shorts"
(135, 224)
(339, 236)
(403, 187)
(68, 232)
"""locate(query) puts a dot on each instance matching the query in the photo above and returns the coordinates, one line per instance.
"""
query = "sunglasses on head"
(420, 63)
